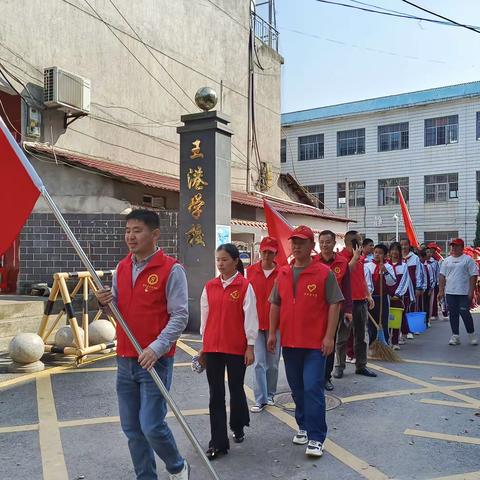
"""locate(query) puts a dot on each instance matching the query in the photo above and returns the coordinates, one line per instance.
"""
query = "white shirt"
(457, 272)
(369, 269)
(249, 310)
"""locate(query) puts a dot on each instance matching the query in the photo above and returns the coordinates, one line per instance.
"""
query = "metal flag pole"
(116, 312)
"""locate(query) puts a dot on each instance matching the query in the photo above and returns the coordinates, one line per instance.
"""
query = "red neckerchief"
(376, 273)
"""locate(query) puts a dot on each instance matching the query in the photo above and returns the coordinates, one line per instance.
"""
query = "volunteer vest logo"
(151, 284)
(337, 271)
(235, 295)
(311, 290)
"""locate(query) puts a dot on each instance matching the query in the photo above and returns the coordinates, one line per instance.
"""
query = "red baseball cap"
(457, 241)
(269, 243)
(434, 246)
(302, 231)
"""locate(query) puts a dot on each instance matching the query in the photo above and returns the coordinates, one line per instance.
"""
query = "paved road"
(418, 420)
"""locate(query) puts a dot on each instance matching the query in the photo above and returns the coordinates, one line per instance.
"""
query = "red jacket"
(339, 266)
(143, 306)
(262, 286)
(357, 277)
(303, 316)
(225, 329)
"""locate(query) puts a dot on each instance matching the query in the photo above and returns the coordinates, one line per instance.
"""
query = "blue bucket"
(416, 322)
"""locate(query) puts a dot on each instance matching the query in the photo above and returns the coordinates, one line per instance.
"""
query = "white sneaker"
(258, 408)
(271, 402)
(300, 438)
(454, 340)
(473, 339)
(314, 449)
(402, 341)
(183, 475)
(396, 347)
(410, 336)
(350, 359)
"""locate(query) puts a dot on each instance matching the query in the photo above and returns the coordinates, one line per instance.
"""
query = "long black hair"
(396, 246)
(232, 250)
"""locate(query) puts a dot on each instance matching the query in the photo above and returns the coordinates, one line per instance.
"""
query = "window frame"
(382, 188)
(355, 199)
(401, 129)
(316, 148)
(318, 192)
(437, 238)
(478, 126)
(355, 142)
(283, 150)
(440, 127)
(441, 188)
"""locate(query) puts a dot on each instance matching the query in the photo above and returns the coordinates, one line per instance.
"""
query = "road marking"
(442, 364)
(53, 460)
(194, 340)
(459, 380)
(443, 436)
(19, 428)
(108, 369)
(448, 404)
(461, 476)
(353, 462)
(387, 394)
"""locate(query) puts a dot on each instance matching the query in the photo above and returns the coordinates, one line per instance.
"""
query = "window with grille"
(310, 147)
(283, 150)
(441, 131)
(442, 239)
(387, 190)
(318, 192)
(393, 137)
(388, 238)
(356, 194)
(478, 186)
(441, 188)
(478, 125)
(351, 142)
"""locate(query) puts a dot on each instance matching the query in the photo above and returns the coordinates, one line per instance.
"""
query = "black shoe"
(238, 436)
(365, 372)
(328, 386)
(338, 373)
(214, 453)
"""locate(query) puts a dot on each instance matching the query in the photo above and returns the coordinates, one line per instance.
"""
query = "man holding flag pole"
(22, 177)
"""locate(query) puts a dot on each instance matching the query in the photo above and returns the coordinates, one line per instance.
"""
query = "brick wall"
(45, 249)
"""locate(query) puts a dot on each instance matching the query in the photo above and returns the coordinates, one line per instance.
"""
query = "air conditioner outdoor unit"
(66, 91)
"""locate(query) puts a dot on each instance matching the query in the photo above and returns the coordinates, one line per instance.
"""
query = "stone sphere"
(64, 337)
(101, 331)
(206, 98)
(26, 348)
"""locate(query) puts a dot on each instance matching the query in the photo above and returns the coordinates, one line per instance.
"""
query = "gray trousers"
(358, 323)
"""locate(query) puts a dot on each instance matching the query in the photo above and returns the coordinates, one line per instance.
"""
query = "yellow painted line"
(446, 403)
(53, 461)
(115, 419)
(48, 371)
(386, 394)
(458, 380)
(353, 462)
(442, 364)
(19, 428)
(443, 436)
(194, 340)
(461, 476)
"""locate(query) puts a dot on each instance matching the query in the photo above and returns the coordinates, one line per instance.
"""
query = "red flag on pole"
(407, 221)
(19, 189)
(279, 228)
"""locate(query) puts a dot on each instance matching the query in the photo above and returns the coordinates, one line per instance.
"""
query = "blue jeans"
(142, 416)
(459, 305)
(305, 369)
(265, 368)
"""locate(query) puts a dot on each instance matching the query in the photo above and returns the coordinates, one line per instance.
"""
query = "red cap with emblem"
(457, 241)
(302, 231)
(269, 243)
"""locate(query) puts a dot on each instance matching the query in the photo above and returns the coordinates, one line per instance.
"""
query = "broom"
(380, 350)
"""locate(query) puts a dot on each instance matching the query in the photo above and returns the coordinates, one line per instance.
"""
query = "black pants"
(459, 305)
(372, 329)
(239, 416)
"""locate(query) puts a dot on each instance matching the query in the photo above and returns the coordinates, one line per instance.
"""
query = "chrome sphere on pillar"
(206, 98)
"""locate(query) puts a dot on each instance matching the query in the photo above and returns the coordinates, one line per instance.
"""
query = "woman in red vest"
(229, 327)
(262, 276)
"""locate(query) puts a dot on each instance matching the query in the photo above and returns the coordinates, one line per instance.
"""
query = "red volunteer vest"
(144, 305)
(262, 286)
(303, 317)
(357, 277)
(225, 329)
(338, 266)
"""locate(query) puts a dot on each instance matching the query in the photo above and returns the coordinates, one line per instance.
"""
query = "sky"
(342, 55)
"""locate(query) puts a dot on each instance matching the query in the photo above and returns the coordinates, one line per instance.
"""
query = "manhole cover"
(285, 401)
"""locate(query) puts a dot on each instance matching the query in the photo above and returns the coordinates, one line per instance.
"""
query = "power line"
(151, 53)
(468, 27)
(136, 58)
(229, 15)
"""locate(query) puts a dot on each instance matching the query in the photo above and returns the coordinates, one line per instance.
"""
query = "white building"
(428, 142)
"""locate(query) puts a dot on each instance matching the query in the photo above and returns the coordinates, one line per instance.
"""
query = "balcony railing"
(265, 32)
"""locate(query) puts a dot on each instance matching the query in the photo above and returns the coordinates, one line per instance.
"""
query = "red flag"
(19, 187)
(279, 228)
(407, 221)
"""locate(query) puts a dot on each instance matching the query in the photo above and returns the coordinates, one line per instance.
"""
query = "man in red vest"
(305, 302)
(362, 300)
(338, 264)
(150, 290)
(261, 276)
